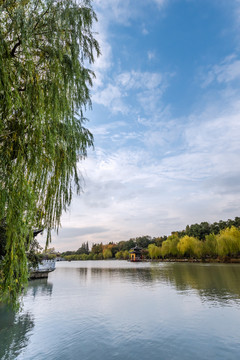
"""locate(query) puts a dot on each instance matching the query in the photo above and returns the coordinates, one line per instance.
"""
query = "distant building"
(136, 254)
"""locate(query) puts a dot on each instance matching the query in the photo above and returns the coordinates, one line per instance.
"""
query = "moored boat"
(43, 269)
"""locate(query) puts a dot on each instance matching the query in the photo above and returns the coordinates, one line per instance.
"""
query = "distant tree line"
(199, 241)
(109, 251)
(224, 245)
(200, 231)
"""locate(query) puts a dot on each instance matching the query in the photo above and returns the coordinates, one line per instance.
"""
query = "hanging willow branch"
(44, 88)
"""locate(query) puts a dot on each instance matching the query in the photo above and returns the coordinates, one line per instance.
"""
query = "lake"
(120, 310)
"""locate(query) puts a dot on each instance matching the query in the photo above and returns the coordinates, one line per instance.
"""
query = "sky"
(165, 119)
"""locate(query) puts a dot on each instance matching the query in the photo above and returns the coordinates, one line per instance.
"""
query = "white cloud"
(147, 88)
(236, 5)
(134, 192)
(116, 10)
(110, 97)
(151, 55)
(145, 30)
(141, 80)
(175, 171)
(104, 62)
(109, 90)
(227, 71)
(123, 11)
(160, 3)
(161, 117)
(107, 128)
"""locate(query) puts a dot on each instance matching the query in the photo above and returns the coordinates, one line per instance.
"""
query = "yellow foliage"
(107, 254)
(169, 246)
(190, 246)
(228, 242)
(154, 251)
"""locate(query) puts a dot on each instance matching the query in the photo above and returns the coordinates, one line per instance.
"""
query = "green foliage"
(122, 255)
(70, 257)
(228, 242)
(84, 249)
(154, 251)
(119, 255)
(86, 257)
(44, 88)
(198, 230)
(67, 253)
(143, 241)
(203, 229)
(126, 245)
(49, 251)
(190, 247)
(97, 249)
(47, 256)
(159, 240)
(33, 255)
(114, 248)
(3, 239)
(175, 246)
(107, 254)
(126, 255)
(98, 256)
(169, 246)
(210, 246)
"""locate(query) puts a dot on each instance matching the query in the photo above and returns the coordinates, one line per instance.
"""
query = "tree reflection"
(142, 276)
(16, 329)
(39, 287)
(212, 282)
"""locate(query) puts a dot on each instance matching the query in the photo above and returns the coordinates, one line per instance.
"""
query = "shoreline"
(185, 260)
(203, 261)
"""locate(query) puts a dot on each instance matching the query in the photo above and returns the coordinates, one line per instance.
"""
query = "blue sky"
(165, 118)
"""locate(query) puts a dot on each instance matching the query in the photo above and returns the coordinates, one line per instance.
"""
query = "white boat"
(43, 269)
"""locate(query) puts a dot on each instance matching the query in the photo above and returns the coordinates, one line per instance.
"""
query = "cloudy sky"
(165, 118)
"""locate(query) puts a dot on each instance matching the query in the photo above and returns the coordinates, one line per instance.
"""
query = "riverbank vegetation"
(217, 242)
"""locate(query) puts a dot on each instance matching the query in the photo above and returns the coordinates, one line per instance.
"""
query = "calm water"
(119, 310)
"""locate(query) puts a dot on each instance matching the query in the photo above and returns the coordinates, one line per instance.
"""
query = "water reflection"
(212, 282)
(142, 276)
(40, 287)
(119, 310)
(16, 329)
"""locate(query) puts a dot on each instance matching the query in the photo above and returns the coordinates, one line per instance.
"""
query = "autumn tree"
(154, 251)
(190, 247)
(228, 242)
(169, 246)
(45, 46)
(97, 249)
(210, 246)
(107, 253)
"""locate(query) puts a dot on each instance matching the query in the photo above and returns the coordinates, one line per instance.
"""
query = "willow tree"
(45, 49)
